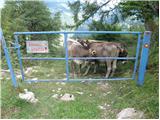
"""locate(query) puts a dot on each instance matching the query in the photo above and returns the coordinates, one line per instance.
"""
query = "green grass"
(117, 94)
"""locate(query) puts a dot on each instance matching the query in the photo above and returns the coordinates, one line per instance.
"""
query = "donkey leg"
(88, 68)
(95, 67)
(73, 68)
(79, 71)
(108, 68)
(114, 66)
(85, 64)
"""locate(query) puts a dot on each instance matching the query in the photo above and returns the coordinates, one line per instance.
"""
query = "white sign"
(37, 46)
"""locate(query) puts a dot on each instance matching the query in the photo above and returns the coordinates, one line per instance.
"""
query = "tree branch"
(92, 14)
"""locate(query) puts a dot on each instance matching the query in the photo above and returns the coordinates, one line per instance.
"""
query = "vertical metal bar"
(137, 56)
(144, 57)
(7, 56)
(66, 55)
(19, 56)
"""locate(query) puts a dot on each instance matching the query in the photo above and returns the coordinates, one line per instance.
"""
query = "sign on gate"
(37, 46)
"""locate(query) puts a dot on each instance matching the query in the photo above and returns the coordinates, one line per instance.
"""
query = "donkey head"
(122, 52)
(84, 43)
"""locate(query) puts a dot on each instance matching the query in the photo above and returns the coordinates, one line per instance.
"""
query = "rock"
(36, 67)
(104, 94)
(130, 113)
(35, 71)
(80, 93)
(53, 90)
(57, 83)
(101, 107)
(35, 79)
(109, 92)
(83, 81)
(28, 96)
(63, 83)
(18, 76)
(104, 107)
(59, 89)
(55, 96)
(48, 75)
(29, 69)
(67, 97)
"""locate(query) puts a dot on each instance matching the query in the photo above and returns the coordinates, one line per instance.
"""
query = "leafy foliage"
(143, 11)
(84, 11)
(99, 26)
(29, 16)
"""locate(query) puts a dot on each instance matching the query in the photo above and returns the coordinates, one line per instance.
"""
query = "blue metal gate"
(144, 43)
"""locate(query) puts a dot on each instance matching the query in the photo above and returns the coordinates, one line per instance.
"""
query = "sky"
(60, 5)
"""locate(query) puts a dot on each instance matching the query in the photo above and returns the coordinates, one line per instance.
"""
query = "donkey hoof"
(84, 74)
(106, 76)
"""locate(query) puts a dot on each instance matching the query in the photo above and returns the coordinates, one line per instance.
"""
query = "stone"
(59, 89)
(67, 97)
(35, 79)
(55, 96)
(28, 96)
(53, 90)
(29, 69)
(101, 107)
(57, 83)
(80, 93)
(63, 83)
(18, 76)
(130, 113)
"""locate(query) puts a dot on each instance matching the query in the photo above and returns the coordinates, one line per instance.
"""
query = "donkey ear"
(87, 41)
(122, 50)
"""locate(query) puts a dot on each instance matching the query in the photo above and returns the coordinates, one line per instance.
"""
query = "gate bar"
(137, 56)
(66, 55)
(79, 58)
(144, 57)
(4, 46)
(76, 32)
(78, 80)
(19, 56)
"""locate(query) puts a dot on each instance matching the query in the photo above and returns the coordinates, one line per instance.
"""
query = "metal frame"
(143, 61)
(144, 57)
(8, 60)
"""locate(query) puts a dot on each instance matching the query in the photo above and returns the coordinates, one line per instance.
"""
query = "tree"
(146, 11)
(28, 16)
(99, 26)
(88, 10)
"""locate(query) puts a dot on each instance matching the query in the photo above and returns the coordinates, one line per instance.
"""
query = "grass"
(117, 94)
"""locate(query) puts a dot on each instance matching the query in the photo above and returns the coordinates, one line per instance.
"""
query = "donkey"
(75, 49)
(106, 49)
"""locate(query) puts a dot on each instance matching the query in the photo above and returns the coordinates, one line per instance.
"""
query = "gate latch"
(146, 45)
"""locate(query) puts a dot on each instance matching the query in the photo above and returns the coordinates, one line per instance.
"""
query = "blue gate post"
(66, 55)
(4, 46)
(19, 56)
(144, 57)
(137, 56)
